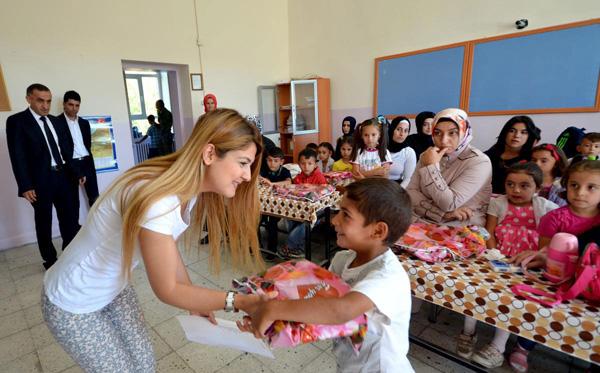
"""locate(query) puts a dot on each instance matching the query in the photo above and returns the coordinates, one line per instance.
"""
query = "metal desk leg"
(434, 311)
(327, 228)
(307, 248)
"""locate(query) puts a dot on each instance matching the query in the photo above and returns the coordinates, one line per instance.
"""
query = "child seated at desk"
(345, 162)
(310, 175)
(374, 213)
(589, 148)
(274, 174)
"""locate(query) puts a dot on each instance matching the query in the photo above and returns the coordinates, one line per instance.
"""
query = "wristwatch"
(229, 301)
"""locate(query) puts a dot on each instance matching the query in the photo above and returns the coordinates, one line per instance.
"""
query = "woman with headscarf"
(403, 156)
(348, 125)
(452, 183)
(513, 145)
(210, 102)
(421, 140)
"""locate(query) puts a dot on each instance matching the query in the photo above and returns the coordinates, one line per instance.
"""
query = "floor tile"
(203, 358)
(291, 360)
(24, 260)
(9, 304)
(21, 251)
(15, 346)
(324, 363)
(172, 363)
(435, 361)
(27, 270)
(12, 323)
(54, 359)
(171, 332)
(30, 297)
(244, 363)
(41, 336)
(33, 315)
(161, 349)
(73, 369)
(7, 289)
(30, 282)
(29, 363)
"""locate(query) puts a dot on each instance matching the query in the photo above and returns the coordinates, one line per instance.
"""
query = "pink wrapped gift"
(304, 192)
(337, 177)
(437, 243)
(303, 280)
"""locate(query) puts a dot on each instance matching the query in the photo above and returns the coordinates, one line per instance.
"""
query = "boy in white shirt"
(374, 213)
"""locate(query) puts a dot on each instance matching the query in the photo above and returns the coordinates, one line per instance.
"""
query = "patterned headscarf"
(460, 118)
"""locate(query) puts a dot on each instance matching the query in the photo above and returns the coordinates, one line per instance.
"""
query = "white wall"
(67, 44)
(340, 39)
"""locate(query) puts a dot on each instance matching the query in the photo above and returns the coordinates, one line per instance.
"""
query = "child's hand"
(256, 322)
(265, 181)
(538, 261)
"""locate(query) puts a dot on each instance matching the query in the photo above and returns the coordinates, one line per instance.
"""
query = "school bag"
(586, 284)
(569, 139)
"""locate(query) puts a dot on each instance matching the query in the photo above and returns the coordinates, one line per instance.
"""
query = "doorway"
(145, 84)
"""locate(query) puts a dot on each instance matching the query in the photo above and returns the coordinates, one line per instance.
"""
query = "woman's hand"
(432, 155)
(460, 214)
(210, 316)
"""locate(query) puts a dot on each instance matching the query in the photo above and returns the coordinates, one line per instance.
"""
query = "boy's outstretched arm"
(311, 311)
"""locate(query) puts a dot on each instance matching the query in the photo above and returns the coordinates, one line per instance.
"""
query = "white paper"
(226, 333)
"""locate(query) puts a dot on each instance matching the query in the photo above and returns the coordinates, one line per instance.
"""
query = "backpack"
(587, 282)
(568, 140)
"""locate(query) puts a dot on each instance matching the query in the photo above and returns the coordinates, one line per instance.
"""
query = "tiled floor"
(26, 345)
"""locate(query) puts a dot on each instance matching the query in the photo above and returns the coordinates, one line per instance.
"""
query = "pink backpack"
(587, 282)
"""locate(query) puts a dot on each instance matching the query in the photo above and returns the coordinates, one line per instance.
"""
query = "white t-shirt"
(403, 166)
(87, 276)
(369, 159)
(385, 283)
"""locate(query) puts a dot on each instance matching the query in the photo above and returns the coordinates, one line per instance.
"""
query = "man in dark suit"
(81, 134)
(41, 150)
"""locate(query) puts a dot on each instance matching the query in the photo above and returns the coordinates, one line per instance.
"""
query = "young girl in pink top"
(512, 221)
(580, 216)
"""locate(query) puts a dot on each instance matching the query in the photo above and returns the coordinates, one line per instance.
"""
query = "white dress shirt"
(51, 126)
(79, 150)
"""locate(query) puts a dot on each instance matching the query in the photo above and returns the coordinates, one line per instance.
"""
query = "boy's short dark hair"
(592, 136)
(71, 95)
(382, 200)
(529, 168)
(312, 145)
(151, 118)
(308, 153)
(276, 152)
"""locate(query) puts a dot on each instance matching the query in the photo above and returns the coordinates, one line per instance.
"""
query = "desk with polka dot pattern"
(472, 288)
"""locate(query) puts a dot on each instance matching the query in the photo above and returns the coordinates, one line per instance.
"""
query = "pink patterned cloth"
(437, 243)
(303, 280)
(517, 231)
(303, 192)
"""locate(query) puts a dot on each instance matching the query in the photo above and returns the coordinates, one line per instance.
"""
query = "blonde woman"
(88, 302)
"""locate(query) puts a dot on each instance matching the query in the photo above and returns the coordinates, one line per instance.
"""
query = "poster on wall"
(103, 143)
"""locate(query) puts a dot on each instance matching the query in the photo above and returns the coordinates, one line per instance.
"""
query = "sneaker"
(489, 357)
(290, 253)
(465, 344)
(518, 359)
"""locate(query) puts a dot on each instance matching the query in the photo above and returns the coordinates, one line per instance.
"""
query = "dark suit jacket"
(86, 132)
(29, 153)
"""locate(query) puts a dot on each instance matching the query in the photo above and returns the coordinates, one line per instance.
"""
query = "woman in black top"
(421, 140)
(513, 145)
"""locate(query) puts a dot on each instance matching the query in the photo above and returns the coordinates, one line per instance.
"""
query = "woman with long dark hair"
(514, 144)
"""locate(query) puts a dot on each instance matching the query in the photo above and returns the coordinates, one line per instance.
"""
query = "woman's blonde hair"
(181, 173)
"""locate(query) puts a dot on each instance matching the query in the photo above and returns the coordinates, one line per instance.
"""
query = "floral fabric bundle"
(304, 192)
(337, 177)
(302, 280)
(438, 243)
